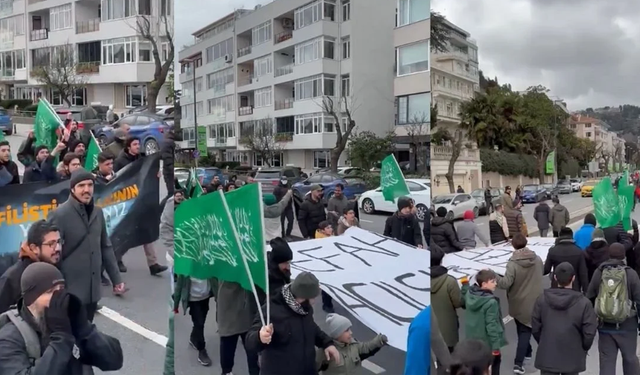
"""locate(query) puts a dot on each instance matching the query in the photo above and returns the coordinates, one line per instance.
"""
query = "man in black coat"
(541, 215)
(279, 267)
(564, 325)
(279, 192)
(403, 225)
(488, 200)
(311, 213)
(566, 250)
(288, 344)
(128, 155)
(43, 168)
(167, 154)
(443, 233)
(9, 174)
(618, 234)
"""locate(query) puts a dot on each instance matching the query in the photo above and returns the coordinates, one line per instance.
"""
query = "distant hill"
(624, 118)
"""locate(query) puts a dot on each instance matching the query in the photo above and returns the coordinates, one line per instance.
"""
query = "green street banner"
(625, 200)
(392, 180)
(605, 204)
(45, 125)
(550, 165)
(91, 162)
(245, 206)
(202, 140)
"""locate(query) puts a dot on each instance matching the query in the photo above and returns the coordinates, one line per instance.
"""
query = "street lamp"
(192, 63)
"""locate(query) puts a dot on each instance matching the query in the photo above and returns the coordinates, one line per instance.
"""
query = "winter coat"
(311, 214)
(279, 192)
(338, 205)
(523, 282)
(351, 354)
(542, 215)
(506, 201)
(618, 234)
(564, 326)
(443, 234)
(559, 217)
(440, 355)
(27, 151)
(39, 172)
(235, 309)
(498, 232)
(468, 231)
(566, 250)
(445, 299)
(292, 347)
(483, 318)
(9, 174)
(167, 154)
(123, 159)
(595, 254)
(404, 229)
(343, 225)
(277, 279)
(87, 247)
(418, 344)
(515, 222)
(583, 235)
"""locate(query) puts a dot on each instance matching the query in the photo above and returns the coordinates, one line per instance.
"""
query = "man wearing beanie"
(287, 344)
(403, 225)
(279, 259)
(566, 250)
(597, 252)
(584, 235)
(43, 168)
(443, 233)
(86, 243)
(615, 333)
(49, 333)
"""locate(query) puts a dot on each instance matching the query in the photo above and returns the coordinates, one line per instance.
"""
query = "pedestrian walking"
(566, 250)
(104, 172)
(472, 357)
(443, 232)
(597, 252)
(86, 243)
(559, 217)
(564, 325)
(279, 266)
(468, 230)
(584, 235)
(403, 225)
(515, 219)
(287, 214)
(347, 220)
(498, 225)
(506, 199)
(311, 213)
(446, 298)
(542, 216)
(460, 190)
(523, 282)
(9, 174)
(336, 205)
(488, 200)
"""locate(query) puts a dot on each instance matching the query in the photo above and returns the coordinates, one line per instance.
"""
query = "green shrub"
(508, 164)
(570, 167)
(31, 108)
(11, 103)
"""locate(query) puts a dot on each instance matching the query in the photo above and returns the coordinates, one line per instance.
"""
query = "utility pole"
(192, 62)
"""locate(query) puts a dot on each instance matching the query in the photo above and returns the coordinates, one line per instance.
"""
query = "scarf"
(502, 221)
(291, 300)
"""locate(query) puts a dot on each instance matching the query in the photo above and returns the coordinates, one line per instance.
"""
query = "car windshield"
(575, 180)
(443, 199)
(563, 182)
(547, 186)
(269, 175)
(590, 183)
(478, 193)
(530, 188)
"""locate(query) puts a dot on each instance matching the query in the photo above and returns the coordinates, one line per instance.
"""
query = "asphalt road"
(140, 318)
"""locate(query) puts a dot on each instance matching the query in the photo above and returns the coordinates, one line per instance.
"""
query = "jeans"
(288, 215)
(609, 344)
(327, 301)
(91, 311)
(228, 347)
(198, 311)
(495, 366)
(544, 232)
(524, 348)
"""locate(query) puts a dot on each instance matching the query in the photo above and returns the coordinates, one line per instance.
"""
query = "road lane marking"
(372, 367)
(366, 221)
(133, 326)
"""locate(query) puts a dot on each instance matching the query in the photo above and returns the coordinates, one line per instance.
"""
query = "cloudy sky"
(585, 51)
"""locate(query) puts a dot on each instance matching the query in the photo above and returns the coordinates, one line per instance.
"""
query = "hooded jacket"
(583, 235)
(311, 214)
(467, 231)
(596, 253)
(564, 325)
(542, 215)
(9, 174)
(404, 228)
(566, 250)
(523, 282)
(559, 217)
(10, 291)
(445, 299)
(483, 318)
(444, 235)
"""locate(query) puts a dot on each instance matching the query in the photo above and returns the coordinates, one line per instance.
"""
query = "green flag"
(45, 125)
(93, 151)
(392, 180)
(625, 200)
(245, 205)
(550, 164)
(1, 136)
(605, 204)
(205, 241)
(193, 187)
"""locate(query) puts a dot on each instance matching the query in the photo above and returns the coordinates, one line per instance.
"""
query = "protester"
(445, 299)
(119, 139)
(336, 205)
(498, 225)
(70, 163)
(518, 192)
(473, 357)
(128, 155)
(488, 200)
(324, 230)
(287, 215)
(43, 168)
(166, 223)
(110, 114)
(584, 235)
(443, 233)
(311, 212)
(9, 174)
(523, 282)
(596, 253)
(617, 234)
(542, 215)
(26, 151)
(403, 225)
(506, 199)
(50, 332)
(285, 351)
(75, 146)
(167, 154)
(43, 244)
(104, 172)
(515, 220)
(564, 325)
(347, 220)
(440, 354)
(86, 243)
(559, 217)
(468, 230)
(483, 318)
(279, 266)
(460, 190)
(566, 250)
(616, 289)
(351, 351)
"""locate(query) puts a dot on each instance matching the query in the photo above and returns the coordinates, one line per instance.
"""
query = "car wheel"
(476, 212)
(450, 215)
(151, 147)
(368, 207)
(421, 212)
(9, 131)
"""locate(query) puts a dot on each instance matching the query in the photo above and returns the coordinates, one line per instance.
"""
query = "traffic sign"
(196, 154)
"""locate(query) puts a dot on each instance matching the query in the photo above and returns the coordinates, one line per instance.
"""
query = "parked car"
(352, 186)
(372, 201)
(269, 178)
(161, 110)
(456, 205)
(564, 187)
(587, 188)
(576, 184)
(149, 128)
(6, 123)
(478, 195)
(533, 194)
(205, 175)
(551, 190)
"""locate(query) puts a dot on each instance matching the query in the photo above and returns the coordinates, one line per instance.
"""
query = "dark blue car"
(6, 124)
(352, 186)
(533, 194)
(148, 127)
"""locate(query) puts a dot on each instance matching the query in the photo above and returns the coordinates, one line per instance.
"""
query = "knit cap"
(337, 325)
(598, 235)
(305, 285)
(37, 279)
(78, 176)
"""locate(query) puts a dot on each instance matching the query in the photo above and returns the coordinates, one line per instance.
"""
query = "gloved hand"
(77, 313)
(57, 314)
(384, 338)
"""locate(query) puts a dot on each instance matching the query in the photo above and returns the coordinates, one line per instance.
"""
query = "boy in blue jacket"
(584, 234)
(418, 360)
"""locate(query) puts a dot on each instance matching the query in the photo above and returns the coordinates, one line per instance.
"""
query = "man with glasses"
(43, 244)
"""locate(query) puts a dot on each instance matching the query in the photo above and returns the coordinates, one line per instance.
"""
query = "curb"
(576, 217)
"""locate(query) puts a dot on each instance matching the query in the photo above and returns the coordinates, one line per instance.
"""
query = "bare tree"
(263, 141)
(418, 130)
(605, 156)
(58, 70)
(333, 107)
(617, 155)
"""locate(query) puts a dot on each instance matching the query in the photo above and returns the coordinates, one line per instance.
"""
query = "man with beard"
(311, 213)
(9, 174)
(50, 332)
(43, 244)
(279, 261)
(287, 351)
(43, 168)
(78, 148)
(403, 225)
(87, 245)
(127, 156)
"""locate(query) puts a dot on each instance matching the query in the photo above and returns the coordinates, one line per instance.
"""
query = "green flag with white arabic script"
(193, 187)
(45, 125)
(605, 204)
(91, 162)
(625, 200)
(392, 180)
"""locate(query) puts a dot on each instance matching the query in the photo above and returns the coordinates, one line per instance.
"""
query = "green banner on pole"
(550, 165)
(202, 140)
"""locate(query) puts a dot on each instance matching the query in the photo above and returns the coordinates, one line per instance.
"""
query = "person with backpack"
(615, 288)
(50, 333)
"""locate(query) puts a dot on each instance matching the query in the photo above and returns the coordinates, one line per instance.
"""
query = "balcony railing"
(246, 80)
(285, 35)
(284, 136)
(284, 70)
(35, 1)
(445, 152)
(244, 51)
(244, 111)
(284, 104)
(88, 67)
(87, 26)
(41, 34)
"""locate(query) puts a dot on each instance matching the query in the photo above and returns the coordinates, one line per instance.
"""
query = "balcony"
(453, 54)
(284, 137)
(244, 51)
(284, 104)
(245, 80)
(245, 111)
(283, 36)
(40, 34)
(35, 1)
(445, 153)
(284, 70)
(88, 67)
(88, 26)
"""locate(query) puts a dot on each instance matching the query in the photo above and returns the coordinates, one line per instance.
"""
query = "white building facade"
(117, 64)
(271, 66)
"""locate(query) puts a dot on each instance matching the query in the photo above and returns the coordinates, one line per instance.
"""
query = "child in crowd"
(351, 351)
(471, 357)
(347, 220)
(324, 230)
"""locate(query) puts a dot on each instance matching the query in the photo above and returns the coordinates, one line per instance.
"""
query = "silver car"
(564, 187)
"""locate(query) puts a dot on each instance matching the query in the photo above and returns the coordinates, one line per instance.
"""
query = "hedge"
(508, 164)
(11, 103)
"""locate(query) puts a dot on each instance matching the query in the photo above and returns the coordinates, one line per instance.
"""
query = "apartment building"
(412, 85)
(599, 132)
(116, 63)
(454, 79)
(268, 68)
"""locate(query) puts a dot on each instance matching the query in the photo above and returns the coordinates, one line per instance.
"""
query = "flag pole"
(264, 254)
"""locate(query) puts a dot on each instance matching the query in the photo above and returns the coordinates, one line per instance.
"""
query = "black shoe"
(518, 370)
(328, 309)
(203, 358)
(104, 280)
(155, 269)
(98, 307)
(122, 267)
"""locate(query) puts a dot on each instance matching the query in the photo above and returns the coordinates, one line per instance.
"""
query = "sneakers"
(518, 370)
(122, 267)
(203, 356)
(155, 269)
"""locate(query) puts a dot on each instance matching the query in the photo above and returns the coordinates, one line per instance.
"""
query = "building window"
(414, 109)
(118, 9)
(220, 106)
(218, 80)
(410, 11)
(199, 84)
(60, 17)
(188, 134)
(199, 108)
(263, 97)
(276, 160)
(329, 48)
(308, 51)
(413, 58)
(329, 7)
(231, 129)
(135, 95)
(220, 132)
(346, 10)
(219, 50)
(321, 159)
(261, 34)
(263, 66)
(119, 51)
(307, 15)
(346, 48)
(144, 51)
(165, 7)
(329, 88)
(187, 89)
(313, 123)
(308, 88)
(345, 85)
(165, 52)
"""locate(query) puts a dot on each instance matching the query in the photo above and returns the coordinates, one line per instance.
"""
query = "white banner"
(382, 282)
(469, 262)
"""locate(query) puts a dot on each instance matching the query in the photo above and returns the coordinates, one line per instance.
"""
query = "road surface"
(140, 318)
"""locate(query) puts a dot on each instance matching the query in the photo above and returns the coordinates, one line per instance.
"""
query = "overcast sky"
(585, 51)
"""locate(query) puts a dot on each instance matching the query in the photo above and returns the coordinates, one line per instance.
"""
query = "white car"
(372, 200)
(456, 205)
(576, 184)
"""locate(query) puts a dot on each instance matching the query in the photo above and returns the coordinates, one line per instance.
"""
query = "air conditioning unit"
(287, 23)
(228, 58)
